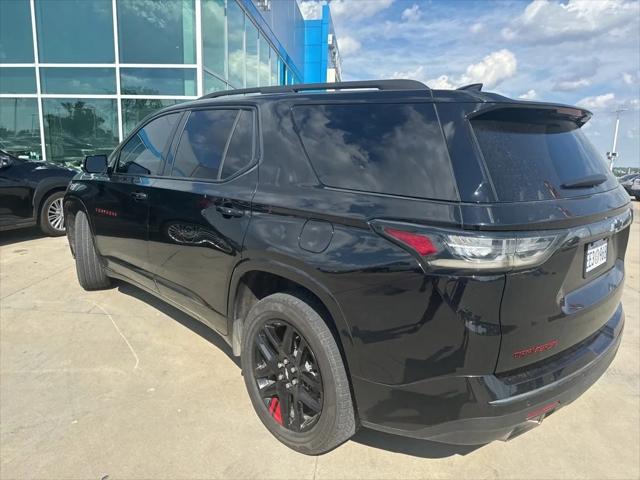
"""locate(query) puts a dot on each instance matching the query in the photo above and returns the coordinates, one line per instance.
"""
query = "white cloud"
(530, 95)
(358, 9)
(597, 102)
(576, 46)
(311, 9)
(569, 85)
(441, 83)
(412, 14)
(493, 69)
(417, 74)
(544, 20)
(348, 45)
(633, 104)
(476, 27)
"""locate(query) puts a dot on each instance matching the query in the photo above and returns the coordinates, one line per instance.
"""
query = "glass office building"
(77, 75)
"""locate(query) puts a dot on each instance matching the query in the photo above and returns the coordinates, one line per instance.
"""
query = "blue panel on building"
(316, 47)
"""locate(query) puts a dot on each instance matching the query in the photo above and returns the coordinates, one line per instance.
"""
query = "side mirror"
(95, 164)
(5, 161)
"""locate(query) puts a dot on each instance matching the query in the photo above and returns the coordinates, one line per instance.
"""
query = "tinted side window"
(143, 153)
(385, 148)
(203, 143)
(240, 151)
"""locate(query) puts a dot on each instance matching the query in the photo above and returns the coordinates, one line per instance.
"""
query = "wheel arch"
(45, 188)
(73, 205)
(245, 290)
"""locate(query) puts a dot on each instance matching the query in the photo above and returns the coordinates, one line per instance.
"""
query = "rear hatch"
(505, 194)
(539, 160)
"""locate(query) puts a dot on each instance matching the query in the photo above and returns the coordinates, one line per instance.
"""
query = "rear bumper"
(476, 410)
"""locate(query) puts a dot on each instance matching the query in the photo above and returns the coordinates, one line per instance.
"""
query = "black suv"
(445, 265)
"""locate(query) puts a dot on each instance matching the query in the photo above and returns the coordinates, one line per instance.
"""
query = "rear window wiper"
(586, 182)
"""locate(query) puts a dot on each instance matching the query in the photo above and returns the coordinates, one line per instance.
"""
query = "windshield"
(532, 153)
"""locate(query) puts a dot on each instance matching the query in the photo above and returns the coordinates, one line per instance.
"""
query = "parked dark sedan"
(634, 190)
(31, 194)
(627, 181)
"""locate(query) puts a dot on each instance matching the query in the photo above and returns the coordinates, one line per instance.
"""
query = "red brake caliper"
(274, 409)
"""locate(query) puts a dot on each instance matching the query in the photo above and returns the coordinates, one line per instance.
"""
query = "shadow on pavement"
(192, 324)
(371, 438)
(20, 235)
(410, 446)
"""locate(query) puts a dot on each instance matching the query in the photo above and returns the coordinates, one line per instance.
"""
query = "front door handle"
(139, 196)
(228, 211)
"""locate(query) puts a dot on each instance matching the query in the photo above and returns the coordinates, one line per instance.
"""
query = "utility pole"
(613, 154)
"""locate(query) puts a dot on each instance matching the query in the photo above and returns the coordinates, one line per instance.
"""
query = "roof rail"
(474, 87)
(399, 84)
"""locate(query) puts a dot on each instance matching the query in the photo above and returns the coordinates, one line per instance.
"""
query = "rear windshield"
(531, 153)
(383, 148)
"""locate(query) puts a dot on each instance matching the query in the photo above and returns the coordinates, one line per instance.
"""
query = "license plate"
(595, 255)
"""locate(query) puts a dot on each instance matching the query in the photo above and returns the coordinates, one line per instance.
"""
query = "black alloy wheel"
(295, 375)
(287, 376)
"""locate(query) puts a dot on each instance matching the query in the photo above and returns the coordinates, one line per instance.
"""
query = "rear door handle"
(139, 196)
(228, 211)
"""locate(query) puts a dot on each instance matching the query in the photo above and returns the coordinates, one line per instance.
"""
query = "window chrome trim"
(116, 53)
(36, 62)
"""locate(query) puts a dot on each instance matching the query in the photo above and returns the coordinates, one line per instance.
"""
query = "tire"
(52, 215)
(335, 423)
(90, 272)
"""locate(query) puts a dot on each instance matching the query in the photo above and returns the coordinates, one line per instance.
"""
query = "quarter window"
(143, 154)
(215, 144)
(395, 149)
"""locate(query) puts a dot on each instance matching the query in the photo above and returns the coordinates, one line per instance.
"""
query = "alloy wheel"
(287, 376)
(55, 215)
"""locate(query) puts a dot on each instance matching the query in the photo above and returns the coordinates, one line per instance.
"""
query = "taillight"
(443, 249)
(420, 243)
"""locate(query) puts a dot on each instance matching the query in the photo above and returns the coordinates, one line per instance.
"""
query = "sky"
(580, 52)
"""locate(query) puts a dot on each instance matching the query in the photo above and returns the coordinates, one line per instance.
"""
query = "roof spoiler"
(576, 114)
(474, 87)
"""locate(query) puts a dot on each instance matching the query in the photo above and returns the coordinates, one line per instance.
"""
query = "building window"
(213, 83)
(74, 31)
(274, 68)
(78, 80)
(20, 127)
(251, 40)
(158, 81)
(17, 80)
(74, 128)
(286, 75)
(235, 29)
(76, 46)
(16, 40)
(214, 51)
(161, 31)
(264, 74)
(135, 110)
